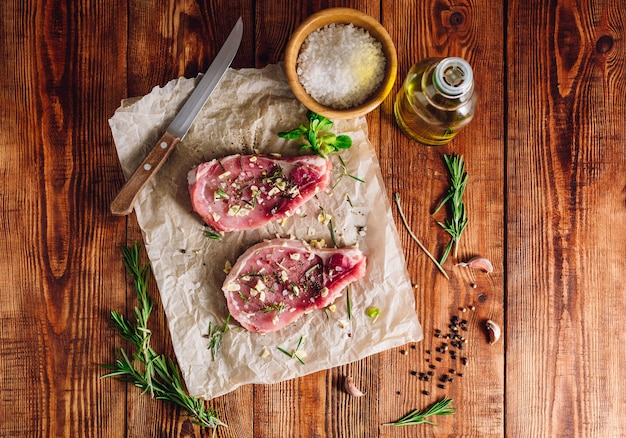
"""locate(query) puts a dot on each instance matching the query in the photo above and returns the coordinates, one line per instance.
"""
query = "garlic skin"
(351, 388)
(477, 263)
(493, 330)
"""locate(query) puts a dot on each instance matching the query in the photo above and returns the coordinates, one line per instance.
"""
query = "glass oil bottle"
(436, 100)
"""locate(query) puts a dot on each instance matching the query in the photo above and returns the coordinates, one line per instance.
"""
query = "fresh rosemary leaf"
(294, 354)
(344, 172)
(455, 225)
(149, 371)
(442, 407)
(332, 233)
(215, 336)
(212, 234)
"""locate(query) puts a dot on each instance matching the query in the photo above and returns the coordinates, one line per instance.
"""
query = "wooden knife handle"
(125, 199)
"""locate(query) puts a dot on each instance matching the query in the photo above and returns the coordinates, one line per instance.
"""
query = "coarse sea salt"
(341, 65)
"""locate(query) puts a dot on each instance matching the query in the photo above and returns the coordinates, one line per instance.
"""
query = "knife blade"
(175, 132)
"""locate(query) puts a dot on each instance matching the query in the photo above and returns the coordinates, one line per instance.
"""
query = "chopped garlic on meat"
(224, 175)
(294, 256)
(324, 292)
(232, 287)
(281, 185)
(233, 210)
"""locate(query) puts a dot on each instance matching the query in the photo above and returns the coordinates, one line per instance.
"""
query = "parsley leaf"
(318, 136)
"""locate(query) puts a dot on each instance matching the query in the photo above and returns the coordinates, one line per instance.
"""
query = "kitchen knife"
(177, 129)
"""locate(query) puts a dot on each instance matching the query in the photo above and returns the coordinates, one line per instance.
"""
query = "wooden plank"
(57, 239)
(565, 214)
(314, 405)
(181, 38)
(187, 39)
(472, 30)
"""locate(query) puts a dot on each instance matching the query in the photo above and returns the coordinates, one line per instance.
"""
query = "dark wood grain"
(546, 203)
(565, 217)
(468, 30)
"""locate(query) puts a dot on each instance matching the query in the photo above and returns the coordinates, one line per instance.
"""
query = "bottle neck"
(453, 78)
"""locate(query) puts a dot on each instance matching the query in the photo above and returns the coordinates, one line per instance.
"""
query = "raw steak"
(241, 192)
(276, 281)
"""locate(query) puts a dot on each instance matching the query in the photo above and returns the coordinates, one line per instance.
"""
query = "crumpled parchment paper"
(244, 114)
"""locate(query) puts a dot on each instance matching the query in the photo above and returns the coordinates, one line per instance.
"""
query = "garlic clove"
(493, 330)
(351, 388)
(477, 263)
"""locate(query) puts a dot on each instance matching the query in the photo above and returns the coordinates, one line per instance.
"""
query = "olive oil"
(436, 100)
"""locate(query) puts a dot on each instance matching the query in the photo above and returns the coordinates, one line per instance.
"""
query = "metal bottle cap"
(453, 77)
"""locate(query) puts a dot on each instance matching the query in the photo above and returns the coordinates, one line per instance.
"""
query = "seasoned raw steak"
(276, 281)
(241, 192)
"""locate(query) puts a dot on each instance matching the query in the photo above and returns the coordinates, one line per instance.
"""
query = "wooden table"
(546, 203)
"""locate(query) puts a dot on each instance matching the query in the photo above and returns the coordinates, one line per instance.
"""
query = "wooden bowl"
(341, 16)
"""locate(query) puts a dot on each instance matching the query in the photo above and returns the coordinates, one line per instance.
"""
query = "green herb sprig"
(149, 371)
(317, 136)
(344, 172)
(442, 407)
(458, 222)
(210, 233)
(295, 353)
(215, 336)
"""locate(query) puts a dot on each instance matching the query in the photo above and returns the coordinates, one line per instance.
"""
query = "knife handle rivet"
(163, 145)
(147, 166)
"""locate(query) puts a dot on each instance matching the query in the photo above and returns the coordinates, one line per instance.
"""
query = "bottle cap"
(453, 77)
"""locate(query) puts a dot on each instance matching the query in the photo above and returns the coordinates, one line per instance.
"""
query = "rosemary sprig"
(210, 233)
(442, 407)
(215, 336)
(458, 183)
(295, 353)
(344, 172)
(149, 371)
(333, 238)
